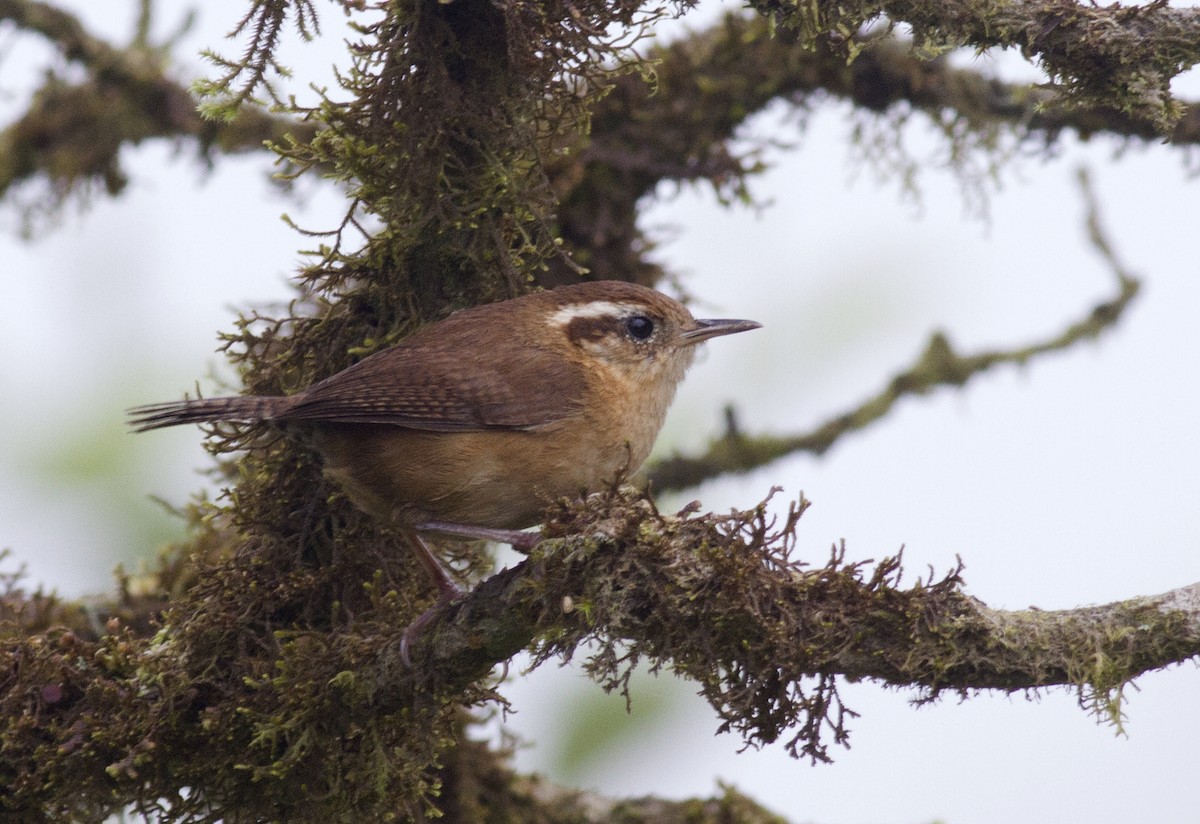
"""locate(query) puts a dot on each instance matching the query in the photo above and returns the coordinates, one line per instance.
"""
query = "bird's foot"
(413, 631)
(520, 541)
(448, 590)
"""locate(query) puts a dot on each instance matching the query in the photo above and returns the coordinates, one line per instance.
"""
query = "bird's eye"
(639, 327)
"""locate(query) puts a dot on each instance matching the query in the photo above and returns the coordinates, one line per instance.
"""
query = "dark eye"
(639, 327)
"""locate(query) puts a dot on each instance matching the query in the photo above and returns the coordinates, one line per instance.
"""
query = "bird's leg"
(521, 541)
(447, 591)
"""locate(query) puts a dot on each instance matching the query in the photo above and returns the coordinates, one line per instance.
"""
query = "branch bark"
(938, 365)
(708, 85)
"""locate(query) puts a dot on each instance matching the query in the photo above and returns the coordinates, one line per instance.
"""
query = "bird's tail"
(248, 408)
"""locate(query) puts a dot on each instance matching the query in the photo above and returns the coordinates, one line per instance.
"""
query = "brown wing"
(448, 378)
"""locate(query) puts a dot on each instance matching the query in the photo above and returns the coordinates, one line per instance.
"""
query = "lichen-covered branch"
(939, 365)
(889, 70)
(239, 711)
(499, 795)
(727, 602)
(682, 128)
(1113, 56)
(73, 130)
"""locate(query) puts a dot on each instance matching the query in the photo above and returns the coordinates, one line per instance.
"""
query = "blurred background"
(1073, 480)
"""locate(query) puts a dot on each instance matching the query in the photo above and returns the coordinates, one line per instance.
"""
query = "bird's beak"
(705, 329)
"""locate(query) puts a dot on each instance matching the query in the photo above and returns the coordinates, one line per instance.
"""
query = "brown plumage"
(489, 415)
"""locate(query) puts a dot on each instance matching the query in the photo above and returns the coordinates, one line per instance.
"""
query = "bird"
(473, 425)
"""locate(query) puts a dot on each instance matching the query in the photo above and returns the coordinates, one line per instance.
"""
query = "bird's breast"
(495, 478)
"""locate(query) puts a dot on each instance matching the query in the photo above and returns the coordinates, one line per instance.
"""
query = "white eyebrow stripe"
(593, 309)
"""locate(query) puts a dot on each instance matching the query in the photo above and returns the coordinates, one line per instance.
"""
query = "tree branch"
(722, 600)
(1122, 57)
(681, 128)
(939, 365)
(277, 665)
(72, 133)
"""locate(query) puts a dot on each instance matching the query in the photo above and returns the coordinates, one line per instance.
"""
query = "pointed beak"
(705, 329)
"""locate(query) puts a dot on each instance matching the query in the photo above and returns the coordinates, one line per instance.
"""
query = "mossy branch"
(1114, 56)
(724, 600)
(681, 129)
(72, 133)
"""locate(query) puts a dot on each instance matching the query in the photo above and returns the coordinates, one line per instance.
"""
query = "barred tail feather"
(247, 408)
